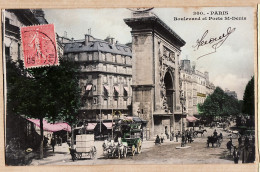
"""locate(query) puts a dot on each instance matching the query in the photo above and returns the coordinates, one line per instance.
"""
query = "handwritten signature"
(215, 41)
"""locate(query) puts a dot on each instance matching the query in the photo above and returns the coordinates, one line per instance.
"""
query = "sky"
(231, 66)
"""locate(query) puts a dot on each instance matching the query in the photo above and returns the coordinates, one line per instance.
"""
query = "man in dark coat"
(53, 143)
(236, 155)
(229, 146)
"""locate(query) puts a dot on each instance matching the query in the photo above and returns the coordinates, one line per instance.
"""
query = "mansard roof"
(97, 45)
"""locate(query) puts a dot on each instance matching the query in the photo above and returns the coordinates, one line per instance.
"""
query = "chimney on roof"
(88, 38)
(110, 40)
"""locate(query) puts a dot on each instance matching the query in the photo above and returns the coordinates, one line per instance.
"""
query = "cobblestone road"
(166, 153)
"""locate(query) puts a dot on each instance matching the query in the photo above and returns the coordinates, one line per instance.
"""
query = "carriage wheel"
(125, 152)
(80, 156)
(133, 150)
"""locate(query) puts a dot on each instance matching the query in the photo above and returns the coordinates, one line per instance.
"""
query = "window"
(106, 91)
(125, 91)
(7, 51)
(116, 91)
(115, 79)
(123, 60)
(7, 21)
(113, 58)
(94, 100)
(19, 56)
(105, 79)
(105, 67)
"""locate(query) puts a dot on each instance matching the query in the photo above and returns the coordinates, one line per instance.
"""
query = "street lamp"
(182, 101)
(100, 119)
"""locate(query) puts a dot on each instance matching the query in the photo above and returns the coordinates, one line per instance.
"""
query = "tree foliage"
(48, 92)
(219, 104)
(249, 98)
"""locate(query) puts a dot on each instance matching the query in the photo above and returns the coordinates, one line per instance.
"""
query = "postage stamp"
(39, 46)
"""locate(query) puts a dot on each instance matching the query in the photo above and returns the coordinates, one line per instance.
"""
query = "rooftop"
(97, 45)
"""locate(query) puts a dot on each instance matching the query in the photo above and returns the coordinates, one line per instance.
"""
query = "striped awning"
(191, 118)
(106, 87)
(126, 89)
(88, 87)
(116, 88)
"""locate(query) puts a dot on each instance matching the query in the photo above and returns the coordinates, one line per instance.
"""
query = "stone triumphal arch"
(156, 83)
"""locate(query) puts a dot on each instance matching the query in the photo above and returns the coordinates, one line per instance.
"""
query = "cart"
(84, 147)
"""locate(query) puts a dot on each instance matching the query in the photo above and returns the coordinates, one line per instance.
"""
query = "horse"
(213, 140)
(201, 132)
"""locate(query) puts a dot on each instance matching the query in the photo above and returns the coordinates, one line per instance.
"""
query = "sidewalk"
(61, 153)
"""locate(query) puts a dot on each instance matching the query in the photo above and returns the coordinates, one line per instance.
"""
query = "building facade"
(17, 127)
(105, 76)
(231, 93)
(195, 85)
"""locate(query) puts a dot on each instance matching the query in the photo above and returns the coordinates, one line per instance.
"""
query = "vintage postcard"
(129, 86)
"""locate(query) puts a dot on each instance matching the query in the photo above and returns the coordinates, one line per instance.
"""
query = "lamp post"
(182, 101)
(100, 119)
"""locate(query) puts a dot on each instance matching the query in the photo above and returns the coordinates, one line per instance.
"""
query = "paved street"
(166, 153)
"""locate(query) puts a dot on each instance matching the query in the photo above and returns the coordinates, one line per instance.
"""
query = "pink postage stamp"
(39, 46)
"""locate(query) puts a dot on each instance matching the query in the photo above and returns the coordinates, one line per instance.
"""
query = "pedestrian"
(246, 143)
(182, 140)
(176, 137)
(236, 155)
(229, 146)
(162, 138)
(172, 136)
(53, 143)
(157, 140)
(239, 140)
(215, 133)
(166, 132)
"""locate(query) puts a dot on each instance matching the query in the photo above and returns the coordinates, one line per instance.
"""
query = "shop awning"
(88, 87)
(108, 125)
(191, 118)
(106, 87)
(51, 127)
(126, 89)
(116, 88)
(91, 126)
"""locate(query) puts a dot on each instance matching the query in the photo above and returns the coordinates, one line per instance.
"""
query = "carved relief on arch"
(168, 54)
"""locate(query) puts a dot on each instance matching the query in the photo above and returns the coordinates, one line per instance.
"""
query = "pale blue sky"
(230, 67)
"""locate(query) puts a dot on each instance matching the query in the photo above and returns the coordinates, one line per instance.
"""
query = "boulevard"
(166, 153)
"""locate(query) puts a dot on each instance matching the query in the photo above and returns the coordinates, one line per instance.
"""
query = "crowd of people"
(186, 137)
(245, 150)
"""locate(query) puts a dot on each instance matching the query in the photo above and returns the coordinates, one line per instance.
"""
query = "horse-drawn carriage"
(128, 137)
(201, 132)
(113, 149)
(84, 146)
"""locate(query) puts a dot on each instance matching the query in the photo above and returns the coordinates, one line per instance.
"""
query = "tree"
(249, 98)
(219, 104)
(249, 102)
(48, 92)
